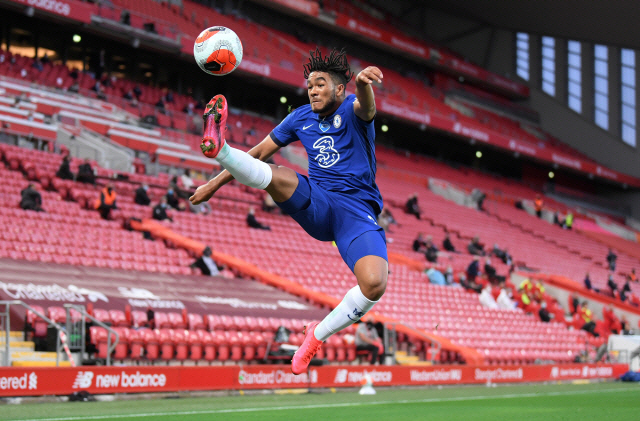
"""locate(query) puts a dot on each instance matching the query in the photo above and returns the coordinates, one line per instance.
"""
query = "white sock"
(353, 306)
(243, 167)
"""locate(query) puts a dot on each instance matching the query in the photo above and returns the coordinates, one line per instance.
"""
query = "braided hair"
(335, 64)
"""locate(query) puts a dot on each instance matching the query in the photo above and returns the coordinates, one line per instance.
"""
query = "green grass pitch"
(561, 402)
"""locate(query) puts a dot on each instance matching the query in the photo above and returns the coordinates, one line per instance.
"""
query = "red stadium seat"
(166, 338)
(196, 322)
(176, 320)
(38, 325)
(181, 344)
(151, 343)
(195, 345)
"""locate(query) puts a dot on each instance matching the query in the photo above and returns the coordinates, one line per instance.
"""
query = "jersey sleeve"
(354, 118)
(284, 133)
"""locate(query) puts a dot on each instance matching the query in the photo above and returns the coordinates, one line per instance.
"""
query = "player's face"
(323, 93)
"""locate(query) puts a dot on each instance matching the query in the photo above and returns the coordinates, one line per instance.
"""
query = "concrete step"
(20, 346)
(13, 337)
(32, 356)
(39, 364)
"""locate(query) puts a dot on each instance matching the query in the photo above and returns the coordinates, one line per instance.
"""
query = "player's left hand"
(369, 75)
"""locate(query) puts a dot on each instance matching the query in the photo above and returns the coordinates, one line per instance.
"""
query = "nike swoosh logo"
(306, 127)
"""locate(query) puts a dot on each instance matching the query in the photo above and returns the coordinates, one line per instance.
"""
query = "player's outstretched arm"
(262, 151)
(365, 104)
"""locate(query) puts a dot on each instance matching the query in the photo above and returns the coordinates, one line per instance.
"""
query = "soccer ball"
(218, 50)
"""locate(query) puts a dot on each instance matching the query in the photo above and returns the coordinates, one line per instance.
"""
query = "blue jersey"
(340, 148)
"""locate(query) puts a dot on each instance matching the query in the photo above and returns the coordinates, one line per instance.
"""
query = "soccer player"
(339, 201)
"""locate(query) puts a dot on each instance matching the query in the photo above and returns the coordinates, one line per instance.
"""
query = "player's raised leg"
(279, 181)
(371, 272)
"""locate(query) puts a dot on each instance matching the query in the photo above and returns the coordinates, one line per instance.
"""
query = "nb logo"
(327, 155)
(357, 315)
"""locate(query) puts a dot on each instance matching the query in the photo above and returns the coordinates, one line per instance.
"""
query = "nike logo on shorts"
(306, 127)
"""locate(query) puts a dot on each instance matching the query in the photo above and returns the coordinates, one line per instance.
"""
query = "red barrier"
(27, 381)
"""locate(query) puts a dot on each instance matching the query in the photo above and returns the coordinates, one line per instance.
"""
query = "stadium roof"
(601, 21)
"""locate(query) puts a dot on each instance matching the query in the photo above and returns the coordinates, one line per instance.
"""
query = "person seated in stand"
(30, 198)
(543, 313)
(469, 285)
(475, 247)
(160, 210)
(151, 318)
(206, 264)
(611, 260)
(385, 220)
(411, 207)
(632, 276)
(432, 251)
(587, 282)
(489, 270)
(473, 270)
(420, 244)
(538, 203)
(142, 198)
(613, 287)
(252, 222)
(367, 339)
(448, 276)
(447, 244)
(625, 291)
(85, 173)
(64, 171)
(106, 202)
(436, 277)
(587, 316)
(568, 221)
(478, 197)
(173, 200)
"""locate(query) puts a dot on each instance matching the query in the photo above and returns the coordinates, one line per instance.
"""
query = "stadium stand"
(102, 251)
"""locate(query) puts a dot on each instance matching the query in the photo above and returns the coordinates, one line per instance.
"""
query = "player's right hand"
(202, 194)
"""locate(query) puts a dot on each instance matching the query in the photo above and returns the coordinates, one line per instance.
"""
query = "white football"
(218, 50)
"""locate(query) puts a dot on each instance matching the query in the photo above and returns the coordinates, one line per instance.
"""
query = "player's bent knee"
(372, 273)
(284, 182)
(373, 289)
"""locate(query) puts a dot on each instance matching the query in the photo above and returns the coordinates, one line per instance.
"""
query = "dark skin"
(325, 96)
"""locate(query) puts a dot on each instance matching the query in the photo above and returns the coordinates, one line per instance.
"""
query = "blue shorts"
(334, 216)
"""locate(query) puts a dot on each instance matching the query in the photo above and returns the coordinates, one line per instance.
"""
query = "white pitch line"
(331, 405)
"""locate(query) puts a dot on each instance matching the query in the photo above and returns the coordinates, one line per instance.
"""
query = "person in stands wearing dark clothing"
(142, 198)
(206, 264)
(151, 318)
(473, 270)
(420, 244)
(611, 259)
(625, 291)
(252, 222)
(173, 200)
(160, 210)
(64, 171)
(587, 282)
(489, 270)
(85, 173)
(475, 247)
(613, 287)
(411, 207)
(447, 244)
(30, 198)
(432, 251)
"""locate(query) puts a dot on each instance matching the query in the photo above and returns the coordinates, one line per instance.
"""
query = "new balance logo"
(357, 314)
(83, 380)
